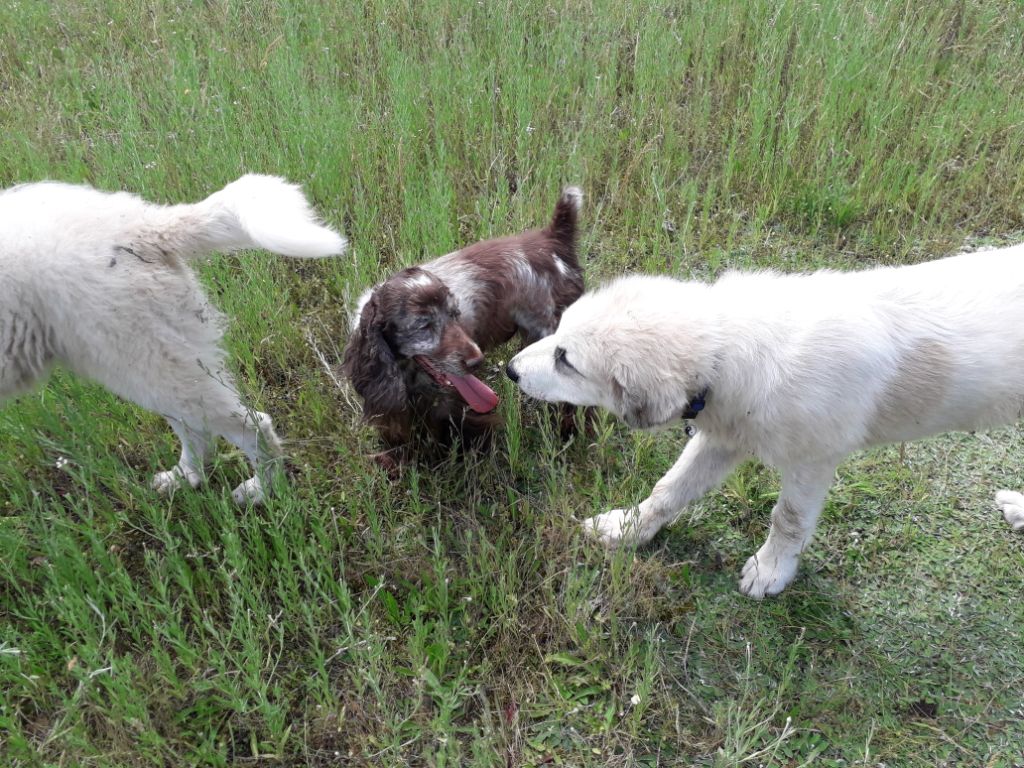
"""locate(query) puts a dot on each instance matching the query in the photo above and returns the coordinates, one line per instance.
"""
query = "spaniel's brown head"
(413, 316)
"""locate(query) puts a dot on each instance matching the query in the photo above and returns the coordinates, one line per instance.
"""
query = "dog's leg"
(253, 432)
(263, 447)
(793, 520)
(196, 447)
(214, 408)
(1011, 503)
(200, 400)
(165, 356)
(702, 466)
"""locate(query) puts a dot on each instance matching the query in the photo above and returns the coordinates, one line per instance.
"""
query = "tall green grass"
(457, 617)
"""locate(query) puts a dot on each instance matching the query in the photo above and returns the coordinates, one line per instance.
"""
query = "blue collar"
(695, 406)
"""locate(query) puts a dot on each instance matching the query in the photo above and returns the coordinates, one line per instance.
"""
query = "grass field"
(458, 617)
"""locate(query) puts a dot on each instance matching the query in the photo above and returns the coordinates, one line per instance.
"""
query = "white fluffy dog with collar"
(99, 283)
(796, 370)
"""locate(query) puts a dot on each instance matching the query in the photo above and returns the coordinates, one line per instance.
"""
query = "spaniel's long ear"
(371, 365)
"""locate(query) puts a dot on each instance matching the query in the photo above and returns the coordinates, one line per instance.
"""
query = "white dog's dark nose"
(511, 372)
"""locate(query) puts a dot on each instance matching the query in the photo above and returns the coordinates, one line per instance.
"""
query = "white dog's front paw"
(249, 492)
(767, 573)
(617, 527)
(168, 482)
(1012, 505)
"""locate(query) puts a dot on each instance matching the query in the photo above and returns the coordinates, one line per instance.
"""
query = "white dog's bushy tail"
(260, 212)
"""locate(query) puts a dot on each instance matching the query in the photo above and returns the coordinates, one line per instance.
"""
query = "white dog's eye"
(561, 359)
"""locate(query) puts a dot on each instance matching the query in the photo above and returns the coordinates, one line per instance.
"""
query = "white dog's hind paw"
(249, 492)
(766, 574)
(617, 527)
(1012, 505)
(169, 481)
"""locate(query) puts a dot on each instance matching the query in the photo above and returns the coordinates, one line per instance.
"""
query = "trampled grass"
(457, 617)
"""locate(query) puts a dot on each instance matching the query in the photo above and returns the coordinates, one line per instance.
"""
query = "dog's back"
(521, 282)
(86, 272)
(883, 355)
(41, 231)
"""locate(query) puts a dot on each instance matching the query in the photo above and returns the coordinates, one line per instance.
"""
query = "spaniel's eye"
(425, 324)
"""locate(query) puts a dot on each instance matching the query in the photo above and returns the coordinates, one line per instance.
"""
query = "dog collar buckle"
(695, 406)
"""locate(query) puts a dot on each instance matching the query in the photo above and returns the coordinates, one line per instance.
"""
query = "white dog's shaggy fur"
(98, 282)
(797, 370)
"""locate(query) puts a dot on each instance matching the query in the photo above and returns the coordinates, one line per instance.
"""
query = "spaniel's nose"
(511, 373)
(475, 361)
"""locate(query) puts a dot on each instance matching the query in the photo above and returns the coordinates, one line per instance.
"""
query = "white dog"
(98, 282)
(797, 370)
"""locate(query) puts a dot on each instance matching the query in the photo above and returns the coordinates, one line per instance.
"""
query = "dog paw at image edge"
(1011, 504)
(249, 493)
(767, 574)
(167, 482)
(617, 527)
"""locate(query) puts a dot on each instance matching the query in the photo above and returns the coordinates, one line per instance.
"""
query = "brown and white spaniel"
(418, 337)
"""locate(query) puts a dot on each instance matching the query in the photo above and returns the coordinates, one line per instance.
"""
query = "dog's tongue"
(477, 395)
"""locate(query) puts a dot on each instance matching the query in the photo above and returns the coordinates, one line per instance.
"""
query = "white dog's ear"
(645, 399)
(633, 405)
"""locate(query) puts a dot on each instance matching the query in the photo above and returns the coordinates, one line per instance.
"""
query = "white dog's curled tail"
(262, 212)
